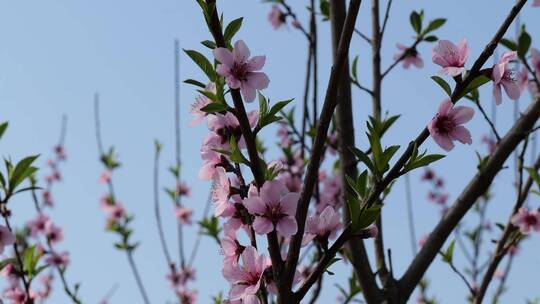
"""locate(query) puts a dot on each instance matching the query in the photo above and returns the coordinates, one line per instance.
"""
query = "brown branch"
(507, 233)
(345, 126)
(329, 106)
(476, 187)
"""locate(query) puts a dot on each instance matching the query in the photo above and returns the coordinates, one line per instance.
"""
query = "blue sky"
(54, 55)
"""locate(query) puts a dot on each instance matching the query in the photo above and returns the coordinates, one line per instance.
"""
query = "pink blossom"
(274, 208)
(224, 127)
(47, 198)
(6, 238)
(535, 60)
(105, 177)
(370, 232)
(115, 212)
(324, 225)
(183, 215)
(16, 295)
(503, 76)
(330, 195)
(182, 189)
(60, 152)
(58, 259)
(490, 142)
(246, 278)
(38, 225)
(221, 194)
(232, 249)
(54, 233)
(211, 160)
(276, 17)
(446, 126)
(411, 56)
(240, 71)
(536, 3)
(526, 220)
(201, 102)
(428, 175)
(187, 296)
(451, 57)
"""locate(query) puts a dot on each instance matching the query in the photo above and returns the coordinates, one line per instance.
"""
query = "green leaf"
(214, 107)
(21, 171)
(524, 43)
(448, 254)
(236, 155)
(354, 210)
(195, 83)
(433, 25)
(534, 175)
(354, 68)
(474, 84)
(416, 21)
(361, 156)
(232, 28)
(443, 84)
(511, 45)
(325, 9)
(368, 217)
(431, 38)
(203, 63)
(209, 44)
(3, 128)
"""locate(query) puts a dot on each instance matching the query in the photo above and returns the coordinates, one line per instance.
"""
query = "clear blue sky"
(55, 54)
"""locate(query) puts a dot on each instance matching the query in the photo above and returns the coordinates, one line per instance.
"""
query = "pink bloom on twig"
(54, 233)
(38, 225)
(183, 215)
(105, 177)
(246, 278)
(411, 56)
(221, 194)
(526, 220)
(451, 57)
(503, 75)
(240, 71)
(274, 208)
(446, 126)
(58, 259)
(324, 225)
(276, 17)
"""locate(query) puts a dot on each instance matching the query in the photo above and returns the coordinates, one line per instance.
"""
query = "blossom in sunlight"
(446, 126)
(526, 220)
(276, 17)
(6, 238)
(451, 57)
(183, 215)
(274, 208)
(246, 278)
(503, 75)
(58, 259)
(411, 56)
(240, 71)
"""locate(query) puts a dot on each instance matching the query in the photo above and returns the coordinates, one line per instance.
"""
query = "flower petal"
(287, 226)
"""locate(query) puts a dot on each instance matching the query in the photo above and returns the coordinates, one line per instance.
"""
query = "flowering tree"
(282, 222)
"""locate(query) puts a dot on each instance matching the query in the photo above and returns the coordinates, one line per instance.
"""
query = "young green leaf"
(443, 84)
(203, 63)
